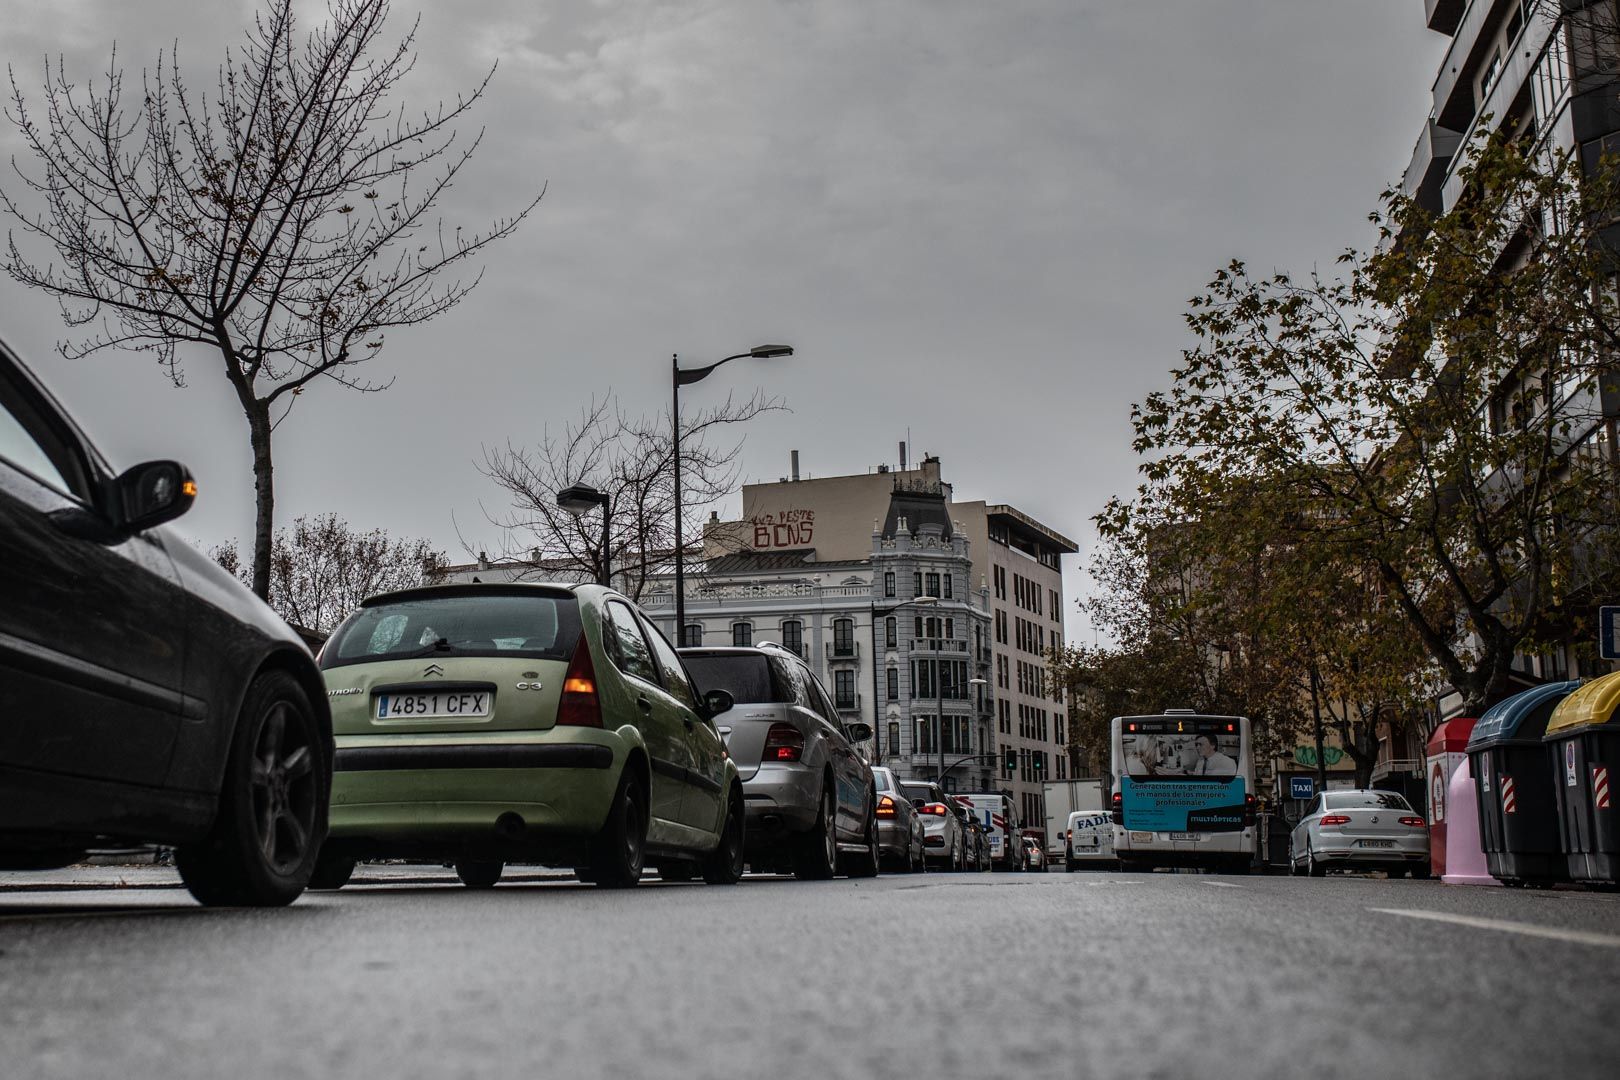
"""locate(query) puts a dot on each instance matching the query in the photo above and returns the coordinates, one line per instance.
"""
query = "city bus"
(1183, 791)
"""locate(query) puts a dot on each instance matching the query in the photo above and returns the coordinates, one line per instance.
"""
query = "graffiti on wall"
(783, 529)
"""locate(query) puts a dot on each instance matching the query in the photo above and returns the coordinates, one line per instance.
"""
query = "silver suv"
(809, 797)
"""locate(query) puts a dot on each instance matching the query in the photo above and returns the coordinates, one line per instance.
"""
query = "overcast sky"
(979, 222)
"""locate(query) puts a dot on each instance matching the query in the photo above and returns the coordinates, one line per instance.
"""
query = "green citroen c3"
(484, 724)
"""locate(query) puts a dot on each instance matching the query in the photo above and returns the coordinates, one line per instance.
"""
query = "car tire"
(866, 865)
(331, 872)
(676, 871)
(815, 855)
(619, 849)
(1293, 864)
(724, 866)
(274, 796)
(1312, 867)
(479, 873)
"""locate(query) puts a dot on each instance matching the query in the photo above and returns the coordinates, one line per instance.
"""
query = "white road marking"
(1221, 884)
(1577, 937)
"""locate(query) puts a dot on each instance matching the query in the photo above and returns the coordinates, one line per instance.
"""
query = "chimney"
(795, 466)
(902, 455)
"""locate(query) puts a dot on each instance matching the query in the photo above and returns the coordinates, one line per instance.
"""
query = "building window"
(888, 583)
(916, 583)
(894, 737)
(692, 636)
(843, 637)
(891, 632)
(844, 688)
(893, 675)
(948, 579)
(950, 629)
(925, 735)
(933, 584)
(742, 633)
(793, 637)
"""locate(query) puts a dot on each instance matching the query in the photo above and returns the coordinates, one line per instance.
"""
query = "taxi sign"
(1301, 787)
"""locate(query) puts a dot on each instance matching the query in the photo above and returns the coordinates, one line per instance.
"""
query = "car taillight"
(1068, 835)
(783, 742)
(937, 809)
(885, 806)
(1335, 819)
(580, 706)
(1415, 822)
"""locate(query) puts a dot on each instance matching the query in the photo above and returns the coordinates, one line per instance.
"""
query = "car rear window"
(745, 676)
(917, 793)
(490, 624)
(883, 780)
(1366, 800)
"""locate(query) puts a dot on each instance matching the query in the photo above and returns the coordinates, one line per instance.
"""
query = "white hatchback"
(1088, 840)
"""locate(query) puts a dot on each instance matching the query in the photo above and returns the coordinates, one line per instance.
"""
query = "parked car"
(485, 723)
(1363, 829)
(944, 838)
(1088, 841)
(995, 812)
(146, 696)
(900, 831)
(978, 841)
(1034, 855)
(811, 802)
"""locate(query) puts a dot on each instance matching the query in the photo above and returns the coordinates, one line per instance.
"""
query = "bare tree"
(321, 568)
(629, 459)
(280, 219)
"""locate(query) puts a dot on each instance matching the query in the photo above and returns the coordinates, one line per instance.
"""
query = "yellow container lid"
(1594, 703)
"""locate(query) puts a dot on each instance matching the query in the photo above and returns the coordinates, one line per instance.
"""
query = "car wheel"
(622, 843)
(725, 865)
(273, 801)
(1293, 864)
(676, 871)
(1312, 867)
(816, 856)
(331, 872)
(479, 873)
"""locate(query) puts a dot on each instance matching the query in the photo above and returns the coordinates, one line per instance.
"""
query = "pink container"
(1465, 855)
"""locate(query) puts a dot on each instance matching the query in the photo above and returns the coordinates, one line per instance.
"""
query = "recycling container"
(1518, 809)
(1446, 750)
(1584, 737)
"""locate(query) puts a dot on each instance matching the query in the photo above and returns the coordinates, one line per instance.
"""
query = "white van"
(1088, 841)
(995, 812)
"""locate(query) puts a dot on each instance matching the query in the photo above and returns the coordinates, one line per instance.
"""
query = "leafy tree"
(321, 568)
(1424, 431)
(279, 219)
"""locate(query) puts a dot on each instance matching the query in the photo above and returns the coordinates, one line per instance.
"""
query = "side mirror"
(154, 492)
(716, 702)
(858, 732)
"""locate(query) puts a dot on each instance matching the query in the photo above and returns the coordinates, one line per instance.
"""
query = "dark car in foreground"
(145, 695)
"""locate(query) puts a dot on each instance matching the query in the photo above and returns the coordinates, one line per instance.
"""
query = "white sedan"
(1368, 830)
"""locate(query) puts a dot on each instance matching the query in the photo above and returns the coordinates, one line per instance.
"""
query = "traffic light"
(1038, 761)
(1009, 761)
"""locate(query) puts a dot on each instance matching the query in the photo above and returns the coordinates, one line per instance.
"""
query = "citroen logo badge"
(432, 669)
(1375, 819)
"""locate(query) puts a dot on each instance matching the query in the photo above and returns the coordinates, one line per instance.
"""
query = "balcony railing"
(698, 594)
(847, 650)
(847, 702)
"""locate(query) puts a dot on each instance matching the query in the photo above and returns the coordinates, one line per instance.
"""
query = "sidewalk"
(147, 876)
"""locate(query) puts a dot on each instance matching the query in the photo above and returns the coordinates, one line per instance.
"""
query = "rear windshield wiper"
(441, 645)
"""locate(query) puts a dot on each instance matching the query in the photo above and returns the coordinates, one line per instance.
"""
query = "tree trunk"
(258, 416)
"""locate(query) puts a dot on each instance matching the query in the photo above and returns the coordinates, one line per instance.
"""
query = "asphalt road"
(985, 976)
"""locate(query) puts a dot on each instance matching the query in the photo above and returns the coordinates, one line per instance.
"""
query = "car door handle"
(645, 703)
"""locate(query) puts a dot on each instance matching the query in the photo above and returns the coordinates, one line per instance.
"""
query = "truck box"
(1062, 798)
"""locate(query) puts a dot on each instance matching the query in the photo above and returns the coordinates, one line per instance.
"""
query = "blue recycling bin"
(1518, 808)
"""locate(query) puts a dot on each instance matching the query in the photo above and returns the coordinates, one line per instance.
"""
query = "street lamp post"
(681, 377)
(578, 500)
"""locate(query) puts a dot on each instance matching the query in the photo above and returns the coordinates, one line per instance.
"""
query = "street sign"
(1609, 633)
(1301, 787)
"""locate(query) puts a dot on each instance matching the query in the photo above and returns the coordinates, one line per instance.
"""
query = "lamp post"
(681, 377)
(578, 500)
(978, 682)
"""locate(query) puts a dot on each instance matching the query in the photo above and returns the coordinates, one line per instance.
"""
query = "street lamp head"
(925, 600)
(978, 682)
(766, 352)
(580, 498)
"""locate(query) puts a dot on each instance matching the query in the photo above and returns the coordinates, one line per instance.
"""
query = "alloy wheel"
(283, 790)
